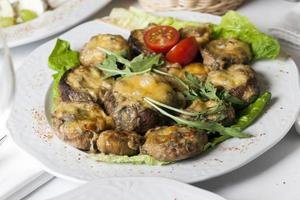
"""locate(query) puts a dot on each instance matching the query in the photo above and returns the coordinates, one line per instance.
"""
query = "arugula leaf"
(141, 63)
(200, 89)
(199, 124)
(62, 57)
(110, 67)
(138, 65)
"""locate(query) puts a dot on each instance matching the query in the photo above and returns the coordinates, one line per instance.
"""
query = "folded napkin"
(288, 28)
(19, 173)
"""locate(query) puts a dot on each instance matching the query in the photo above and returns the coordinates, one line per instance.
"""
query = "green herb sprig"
(199, 124)
(138, 65)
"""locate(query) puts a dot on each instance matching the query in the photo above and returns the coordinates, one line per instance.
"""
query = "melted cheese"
(234, 76)
(145, 85)
(88, 80)
(196, 69)
(91, 54)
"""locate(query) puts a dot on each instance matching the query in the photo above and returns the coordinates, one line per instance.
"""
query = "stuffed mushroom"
(125, 102)
(221, 53)
(79, 124)
(174, 143)
(119, 142)
(92, 55)
(84, 84)
(202, 34)
(212, 111)
(239, 80)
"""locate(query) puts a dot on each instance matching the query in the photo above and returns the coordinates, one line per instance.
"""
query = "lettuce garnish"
(234, 25)
(60, 60)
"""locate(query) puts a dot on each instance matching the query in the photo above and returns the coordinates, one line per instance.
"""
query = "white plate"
(30, 130)
(51, 22)
(136, 189)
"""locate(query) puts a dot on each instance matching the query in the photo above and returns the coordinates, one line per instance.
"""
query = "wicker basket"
(217, 7)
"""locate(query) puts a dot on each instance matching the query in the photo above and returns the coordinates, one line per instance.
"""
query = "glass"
(7, 81)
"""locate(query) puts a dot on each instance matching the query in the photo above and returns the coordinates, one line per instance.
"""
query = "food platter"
(52, 22)
(279, 76)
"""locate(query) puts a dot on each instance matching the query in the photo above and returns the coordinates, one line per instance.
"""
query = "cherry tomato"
(184, 52)
(161, 39)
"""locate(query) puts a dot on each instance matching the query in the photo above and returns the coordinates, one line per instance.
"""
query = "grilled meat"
(221, 53)
(79, 124)
(119, 142)
(91, 55)
(173, 143)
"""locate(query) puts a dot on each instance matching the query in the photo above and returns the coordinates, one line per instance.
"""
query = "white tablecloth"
(275, 175)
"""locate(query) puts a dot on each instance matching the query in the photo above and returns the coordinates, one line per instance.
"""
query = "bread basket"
(217, 7)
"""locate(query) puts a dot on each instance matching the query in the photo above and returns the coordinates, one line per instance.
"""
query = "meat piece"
(92, 55)
(79, 124)
(84, 84)
(201, 33)
(239, 80)
(174, 143)
(225, 116)
(119, 142)
(126, 105)
(221, 53)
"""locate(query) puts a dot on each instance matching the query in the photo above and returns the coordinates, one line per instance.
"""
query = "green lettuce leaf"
(61, 59)
(138, 159)
(233, 25)
(134, 18)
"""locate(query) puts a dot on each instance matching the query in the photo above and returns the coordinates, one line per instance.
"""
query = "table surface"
(274, 175)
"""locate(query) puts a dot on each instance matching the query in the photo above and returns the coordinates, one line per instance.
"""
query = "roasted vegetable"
(119, 142)
(174, 143)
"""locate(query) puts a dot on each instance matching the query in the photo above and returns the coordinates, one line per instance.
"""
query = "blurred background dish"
(27, 21)
(216, 7)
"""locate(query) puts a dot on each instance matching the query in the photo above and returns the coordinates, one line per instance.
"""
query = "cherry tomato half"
(184, 52)
(161, 39)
